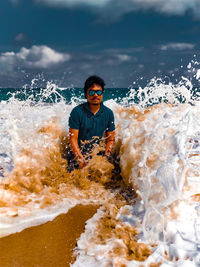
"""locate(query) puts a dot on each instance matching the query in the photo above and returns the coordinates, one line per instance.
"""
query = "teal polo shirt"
(91, 125)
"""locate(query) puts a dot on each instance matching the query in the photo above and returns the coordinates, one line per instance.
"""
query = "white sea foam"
(159, 157)
(161, 150)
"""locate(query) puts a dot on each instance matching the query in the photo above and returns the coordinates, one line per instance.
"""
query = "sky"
(125, 42)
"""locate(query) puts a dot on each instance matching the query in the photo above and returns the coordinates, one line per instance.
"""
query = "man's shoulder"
(78, 108)
(76, 116)
(109, 119)
(107, 109)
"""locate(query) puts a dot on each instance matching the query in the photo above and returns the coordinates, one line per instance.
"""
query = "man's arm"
(110, 142)
(73, 139)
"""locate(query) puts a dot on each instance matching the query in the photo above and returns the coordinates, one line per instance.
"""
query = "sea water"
(158, 144)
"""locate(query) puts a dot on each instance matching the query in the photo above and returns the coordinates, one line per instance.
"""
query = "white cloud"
(116, 8)
(123, 57)
(7, 61)
(169, 7)
(177, 46)
(117, 59)
(35, 57)
(42, 56)
(140, 66)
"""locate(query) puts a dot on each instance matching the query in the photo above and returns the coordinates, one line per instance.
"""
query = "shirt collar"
(87, 107)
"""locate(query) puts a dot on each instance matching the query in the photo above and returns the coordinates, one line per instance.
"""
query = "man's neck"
(94, 108)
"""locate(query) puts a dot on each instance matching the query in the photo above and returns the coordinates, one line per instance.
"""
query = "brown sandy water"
(40, 177)
(50, 244)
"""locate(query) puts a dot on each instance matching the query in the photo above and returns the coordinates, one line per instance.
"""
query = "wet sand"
(50, 244)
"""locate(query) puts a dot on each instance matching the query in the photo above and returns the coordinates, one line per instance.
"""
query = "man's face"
(94, 99)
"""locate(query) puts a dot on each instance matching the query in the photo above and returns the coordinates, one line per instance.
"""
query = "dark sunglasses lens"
(91, 92)
(99, 92)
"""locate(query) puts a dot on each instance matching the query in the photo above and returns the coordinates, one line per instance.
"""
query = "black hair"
(94, 79)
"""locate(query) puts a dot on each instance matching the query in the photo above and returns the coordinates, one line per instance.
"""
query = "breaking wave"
(149, 210)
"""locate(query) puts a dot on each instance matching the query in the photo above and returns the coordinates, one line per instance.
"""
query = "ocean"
(148, 213)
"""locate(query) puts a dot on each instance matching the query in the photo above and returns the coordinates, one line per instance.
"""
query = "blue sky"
(121, 40)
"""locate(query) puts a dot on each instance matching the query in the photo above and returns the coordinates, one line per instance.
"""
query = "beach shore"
(50, 244)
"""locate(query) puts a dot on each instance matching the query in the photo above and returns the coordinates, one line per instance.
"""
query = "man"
(90, 121)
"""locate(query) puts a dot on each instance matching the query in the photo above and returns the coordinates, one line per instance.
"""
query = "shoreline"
(49, 244)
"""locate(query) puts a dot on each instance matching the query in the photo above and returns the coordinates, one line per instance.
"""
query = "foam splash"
(159, 158)
(40, 179)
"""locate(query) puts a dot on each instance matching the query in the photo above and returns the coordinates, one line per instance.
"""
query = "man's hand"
(110, 142)
(82, 162)
(73, 139)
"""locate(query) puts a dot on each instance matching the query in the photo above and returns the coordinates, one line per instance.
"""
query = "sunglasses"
(92, 92)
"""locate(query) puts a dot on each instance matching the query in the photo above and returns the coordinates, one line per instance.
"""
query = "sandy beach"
(50, 244)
